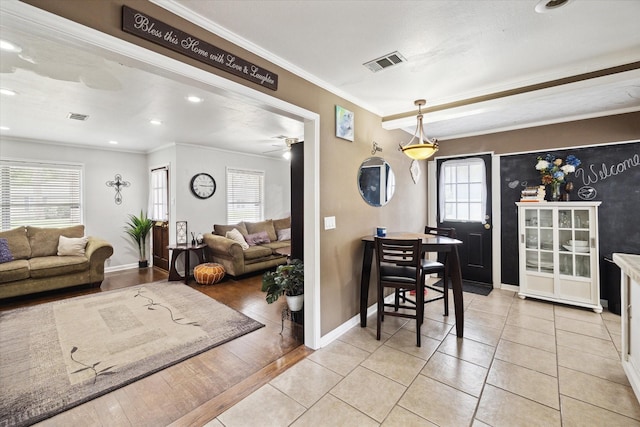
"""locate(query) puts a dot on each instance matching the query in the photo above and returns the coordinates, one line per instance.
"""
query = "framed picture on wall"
(344, 123)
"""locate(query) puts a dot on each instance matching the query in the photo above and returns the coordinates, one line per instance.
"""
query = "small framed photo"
(181, 232)
(344, 123)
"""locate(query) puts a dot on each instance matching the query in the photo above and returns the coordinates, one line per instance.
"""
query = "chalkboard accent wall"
(608, 173)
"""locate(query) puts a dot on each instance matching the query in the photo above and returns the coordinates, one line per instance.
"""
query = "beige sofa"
(37, 267)
(261, 256)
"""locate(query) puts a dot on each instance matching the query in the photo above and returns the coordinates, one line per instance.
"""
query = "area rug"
(58, 355)
(469, 286)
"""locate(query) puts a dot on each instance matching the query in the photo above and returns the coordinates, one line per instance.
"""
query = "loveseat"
(35, 259)
(248, 247)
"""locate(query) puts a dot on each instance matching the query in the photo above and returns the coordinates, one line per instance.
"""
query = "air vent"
(76, 116)
(389, 60)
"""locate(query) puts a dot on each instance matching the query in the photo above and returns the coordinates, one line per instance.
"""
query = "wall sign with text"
(158, 32)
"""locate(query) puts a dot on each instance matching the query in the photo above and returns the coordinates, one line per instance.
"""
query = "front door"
(160, 245)
(464, 203)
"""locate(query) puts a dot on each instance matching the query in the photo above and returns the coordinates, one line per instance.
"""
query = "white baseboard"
(120, 267)
(512, 288)
(355, 320)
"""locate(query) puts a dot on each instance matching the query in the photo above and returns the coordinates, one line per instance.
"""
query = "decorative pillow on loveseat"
(5, 252)
(237, 236)
(257, 238)
(284, 234)
(257, 227)
(72, 246)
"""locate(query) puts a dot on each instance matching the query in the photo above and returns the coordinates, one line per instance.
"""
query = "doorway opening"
(51, 26)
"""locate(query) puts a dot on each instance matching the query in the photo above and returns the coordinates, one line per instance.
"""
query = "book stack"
(533, 194)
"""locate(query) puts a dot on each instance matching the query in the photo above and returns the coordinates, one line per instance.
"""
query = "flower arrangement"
(553, 170)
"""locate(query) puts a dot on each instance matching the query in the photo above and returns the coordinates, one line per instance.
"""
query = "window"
(463, 190)
(160, 194)
(40, 194)
(245, 195)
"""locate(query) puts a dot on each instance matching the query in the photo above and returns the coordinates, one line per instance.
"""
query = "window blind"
(245, 195)
(41, 195)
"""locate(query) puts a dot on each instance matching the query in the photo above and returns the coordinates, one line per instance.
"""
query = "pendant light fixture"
(424, 147)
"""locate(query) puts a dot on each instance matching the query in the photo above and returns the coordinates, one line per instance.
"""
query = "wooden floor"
(197, 390)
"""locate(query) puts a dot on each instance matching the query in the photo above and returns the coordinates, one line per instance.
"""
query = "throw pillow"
(257, 238)
(5, 252)
(236, 236)
(266, 225)
(72, 246)
(284, 234)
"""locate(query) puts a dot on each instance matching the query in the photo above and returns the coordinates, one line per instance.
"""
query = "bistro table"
(430, 243)
(176, 250)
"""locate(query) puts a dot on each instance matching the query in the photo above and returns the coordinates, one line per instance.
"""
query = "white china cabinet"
(630, 292)
(558, 248)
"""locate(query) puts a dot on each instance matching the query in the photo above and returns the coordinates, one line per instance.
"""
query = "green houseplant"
(288, 280)
(138, 228)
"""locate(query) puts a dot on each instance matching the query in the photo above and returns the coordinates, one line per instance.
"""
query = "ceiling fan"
(286, 149)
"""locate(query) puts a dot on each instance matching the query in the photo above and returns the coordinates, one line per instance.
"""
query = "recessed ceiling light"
(9, 47)
(113, 142)
(194, 99)
(545, 6)
(8, 92)
(4, 128)
(155, 122)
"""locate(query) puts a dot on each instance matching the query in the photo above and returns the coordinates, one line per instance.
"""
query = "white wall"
(201, 215)
(102, 217)
(105, 219)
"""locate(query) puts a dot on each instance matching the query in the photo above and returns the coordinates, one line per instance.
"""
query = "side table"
(176, 250)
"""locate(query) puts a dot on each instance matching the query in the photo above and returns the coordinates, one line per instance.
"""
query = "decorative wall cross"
(118, 184)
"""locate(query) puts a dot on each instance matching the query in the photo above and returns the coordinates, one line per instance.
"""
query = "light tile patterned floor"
(521, 363)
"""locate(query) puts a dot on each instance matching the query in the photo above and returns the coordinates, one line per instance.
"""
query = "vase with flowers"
(554, 171)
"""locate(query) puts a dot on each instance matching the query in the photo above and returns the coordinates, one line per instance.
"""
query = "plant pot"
(295, 302)
(143, 264)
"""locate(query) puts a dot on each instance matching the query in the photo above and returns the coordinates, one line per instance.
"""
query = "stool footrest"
(208, 273)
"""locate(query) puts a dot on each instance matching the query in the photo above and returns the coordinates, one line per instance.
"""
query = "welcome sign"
(158, 32)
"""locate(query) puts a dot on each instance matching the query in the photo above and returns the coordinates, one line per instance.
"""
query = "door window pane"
(160, 194)
(463, 190)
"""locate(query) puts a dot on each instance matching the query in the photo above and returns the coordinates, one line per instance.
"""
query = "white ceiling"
(455, 51)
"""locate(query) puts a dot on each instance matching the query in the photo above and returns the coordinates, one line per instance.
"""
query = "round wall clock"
(203, 185)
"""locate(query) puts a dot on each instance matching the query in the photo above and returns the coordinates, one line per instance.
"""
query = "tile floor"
(521, 363)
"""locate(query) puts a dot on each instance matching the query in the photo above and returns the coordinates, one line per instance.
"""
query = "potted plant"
(137, 228)
(287, 279)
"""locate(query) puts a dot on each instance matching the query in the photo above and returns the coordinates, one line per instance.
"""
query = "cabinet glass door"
(538, 240)
(574, 238)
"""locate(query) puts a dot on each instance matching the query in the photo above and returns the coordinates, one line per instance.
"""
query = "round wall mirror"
(376, 181)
